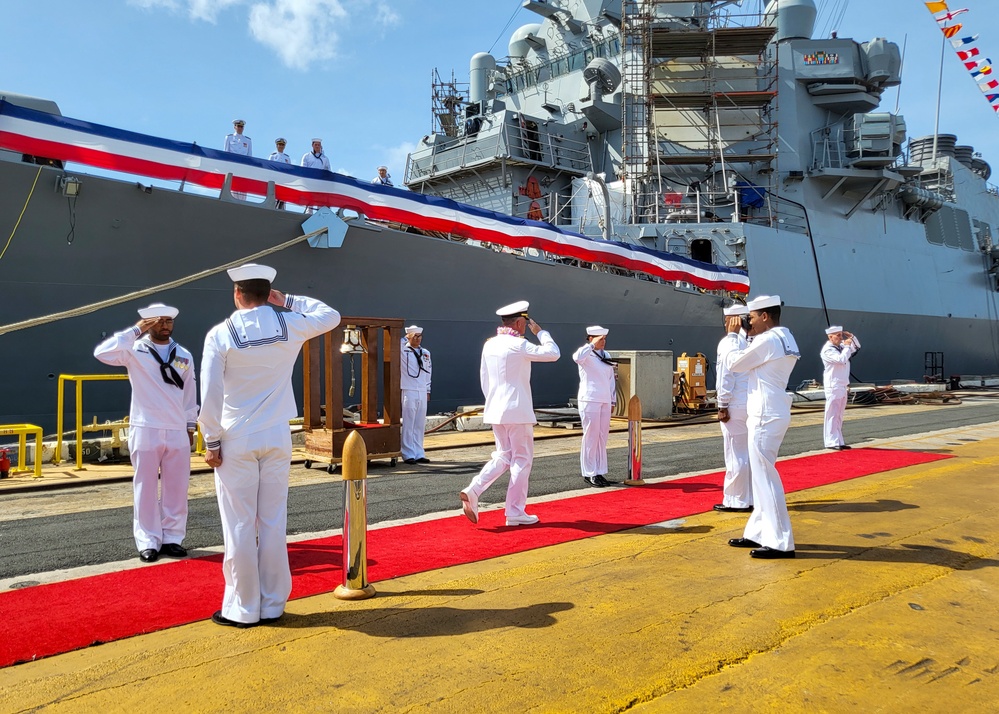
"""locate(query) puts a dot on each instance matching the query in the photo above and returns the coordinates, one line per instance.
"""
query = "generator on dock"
(691, 391)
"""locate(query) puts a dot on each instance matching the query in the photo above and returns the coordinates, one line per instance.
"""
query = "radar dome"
(519, 42)
(793, 18)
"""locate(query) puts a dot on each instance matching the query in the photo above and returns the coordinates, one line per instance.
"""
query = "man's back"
(505, 374)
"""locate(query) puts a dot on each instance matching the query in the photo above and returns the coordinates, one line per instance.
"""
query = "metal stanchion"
(634, 443)
(355, 521)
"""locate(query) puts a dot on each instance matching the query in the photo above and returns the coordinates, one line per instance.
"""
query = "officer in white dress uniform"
(505, 375)
(237, 142)
(596, 397)
(246, 403)
(316, 159)
(383, 178)
(416, 371)
(732, 390)
(768, 361)
(836, 353)
(278, 153)
(162, 421)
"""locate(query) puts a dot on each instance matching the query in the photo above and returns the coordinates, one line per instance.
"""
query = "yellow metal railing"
(79, 379)
(22, 431)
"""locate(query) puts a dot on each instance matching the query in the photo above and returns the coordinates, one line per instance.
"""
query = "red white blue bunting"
(54, 137)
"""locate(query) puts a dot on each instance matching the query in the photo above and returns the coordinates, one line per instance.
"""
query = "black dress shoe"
(409, 461)
(835, 448)
(732, 509)
(599, 480)
(592, 480)
(844, 447)
(743, 543)
(770, 554)
(149, 555)
(173, 550)
(423, 460)
(268, 620)
(226, 622)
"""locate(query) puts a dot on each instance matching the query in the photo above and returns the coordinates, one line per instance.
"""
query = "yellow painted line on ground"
(890, 606)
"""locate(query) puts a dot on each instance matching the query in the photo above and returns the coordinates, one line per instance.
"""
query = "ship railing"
(508, 143)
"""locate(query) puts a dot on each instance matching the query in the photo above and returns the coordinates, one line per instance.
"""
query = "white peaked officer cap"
(280, 140)
(736, 309)
(238, 122)
(514, 309)
(833, 329)
(158, 309)
(252, 271)
(596, 331)
(414, 330)
(763, 301)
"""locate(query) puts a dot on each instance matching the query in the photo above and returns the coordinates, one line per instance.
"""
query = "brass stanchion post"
(634, 443)
(355, 521)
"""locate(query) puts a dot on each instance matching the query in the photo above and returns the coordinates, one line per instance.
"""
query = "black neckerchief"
(170, 375)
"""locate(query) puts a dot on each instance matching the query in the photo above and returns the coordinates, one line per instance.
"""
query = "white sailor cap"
(158, 309)
(414, 330)
(382, 167)
(833, 329)
(596, 331)
(763, 301)
(238, 122)
(737, 309)
(514, 309)
(252, 271)
(280, 140)
(317, 140)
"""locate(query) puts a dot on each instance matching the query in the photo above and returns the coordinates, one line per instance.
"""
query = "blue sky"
(357, 72)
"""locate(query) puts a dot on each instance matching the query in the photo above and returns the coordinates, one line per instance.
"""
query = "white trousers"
(737, 491)
(514, 451)
(769, 524)
(414, 423)
(832, 429)
(252, 489)
(596, 419)
(162, 462)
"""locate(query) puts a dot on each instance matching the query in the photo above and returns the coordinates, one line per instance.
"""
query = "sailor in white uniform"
(316, 159)
(383, 178)
(246, 403)
(732, 390)
(596, 397)
(416, 372)
(836, 353)
(162, 421)
(278, 153)
(505, 376)
(237, 142)
(768, 361)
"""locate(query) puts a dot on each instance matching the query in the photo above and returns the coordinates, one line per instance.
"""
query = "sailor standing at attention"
(732, 390)
(505, 376)
(278, 153)
(768, 361)
(237, 143)
(161, 427)
(596, 397)
(316, 159)
(246, 403)
(836, 353)
(416, 369)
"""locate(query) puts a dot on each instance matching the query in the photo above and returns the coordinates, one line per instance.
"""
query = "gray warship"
(728, 139)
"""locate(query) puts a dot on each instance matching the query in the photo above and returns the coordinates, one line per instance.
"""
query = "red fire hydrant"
(4, 464)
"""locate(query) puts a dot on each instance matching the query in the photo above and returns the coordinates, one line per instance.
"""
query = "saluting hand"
(146, 324)
(534, 327)
(276, 298)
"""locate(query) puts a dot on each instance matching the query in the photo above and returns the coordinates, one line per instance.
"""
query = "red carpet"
(51, 619)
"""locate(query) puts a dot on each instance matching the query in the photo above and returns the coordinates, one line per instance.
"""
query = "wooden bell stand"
(325, 438)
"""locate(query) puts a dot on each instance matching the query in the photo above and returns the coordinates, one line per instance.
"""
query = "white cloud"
(299, 32)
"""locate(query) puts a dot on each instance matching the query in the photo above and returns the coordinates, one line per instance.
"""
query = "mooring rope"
(94, 307)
